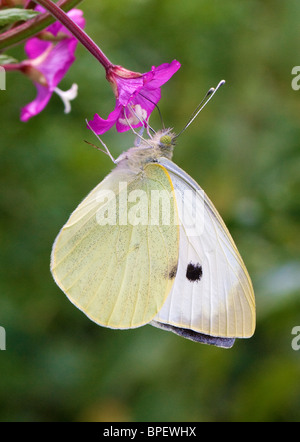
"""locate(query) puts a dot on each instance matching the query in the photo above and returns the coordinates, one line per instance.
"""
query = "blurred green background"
(243, 150)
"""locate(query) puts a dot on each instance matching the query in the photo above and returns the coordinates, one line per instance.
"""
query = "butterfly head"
(163, 143)
(166, 140)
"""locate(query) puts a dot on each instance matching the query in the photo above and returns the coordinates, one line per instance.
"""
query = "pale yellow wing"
(212, 293)
(112, 258)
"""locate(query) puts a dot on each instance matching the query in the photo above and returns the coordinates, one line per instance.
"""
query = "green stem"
(32, 27)
(76, 30)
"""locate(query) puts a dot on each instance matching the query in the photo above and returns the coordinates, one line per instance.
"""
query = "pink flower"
(136, 96)
(50, 56)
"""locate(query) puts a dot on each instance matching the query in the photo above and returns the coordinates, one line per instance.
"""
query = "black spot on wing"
(194, 272)
(173, 272)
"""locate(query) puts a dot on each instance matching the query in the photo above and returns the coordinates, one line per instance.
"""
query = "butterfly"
(147, 246)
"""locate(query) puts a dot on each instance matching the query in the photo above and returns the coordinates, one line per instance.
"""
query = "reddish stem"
(79, 33)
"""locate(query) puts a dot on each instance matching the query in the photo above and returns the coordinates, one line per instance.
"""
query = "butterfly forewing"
(115, 257)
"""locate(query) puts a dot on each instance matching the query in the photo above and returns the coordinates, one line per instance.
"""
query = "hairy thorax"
(149, 151)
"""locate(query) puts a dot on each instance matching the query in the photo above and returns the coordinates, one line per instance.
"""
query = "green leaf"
(7, 59)
(11, 15)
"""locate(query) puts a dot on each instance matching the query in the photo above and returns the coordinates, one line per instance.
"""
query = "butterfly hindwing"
(114, 262)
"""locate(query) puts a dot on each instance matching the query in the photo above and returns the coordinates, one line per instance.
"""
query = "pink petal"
(147, 99)
(55, 64)
(58, 62)
(34, 47)
(100, 126)
(122, 122)
(37, 105)
(160, 75)
(127, 87)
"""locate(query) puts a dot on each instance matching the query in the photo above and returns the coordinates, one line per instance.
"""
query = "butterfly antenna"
(96, 147)
(208, 96)
(106, 151)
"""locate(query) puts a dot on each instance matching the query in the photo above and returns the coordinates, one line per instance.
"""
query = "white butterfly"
(147, 246)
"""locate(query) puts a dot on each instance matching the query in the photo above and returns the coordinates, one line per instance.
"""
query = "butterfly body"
(151, 151)
(127, 259)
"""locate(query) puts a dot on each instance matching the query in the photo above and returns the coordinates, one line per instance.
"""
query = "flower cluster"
(50, 54)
